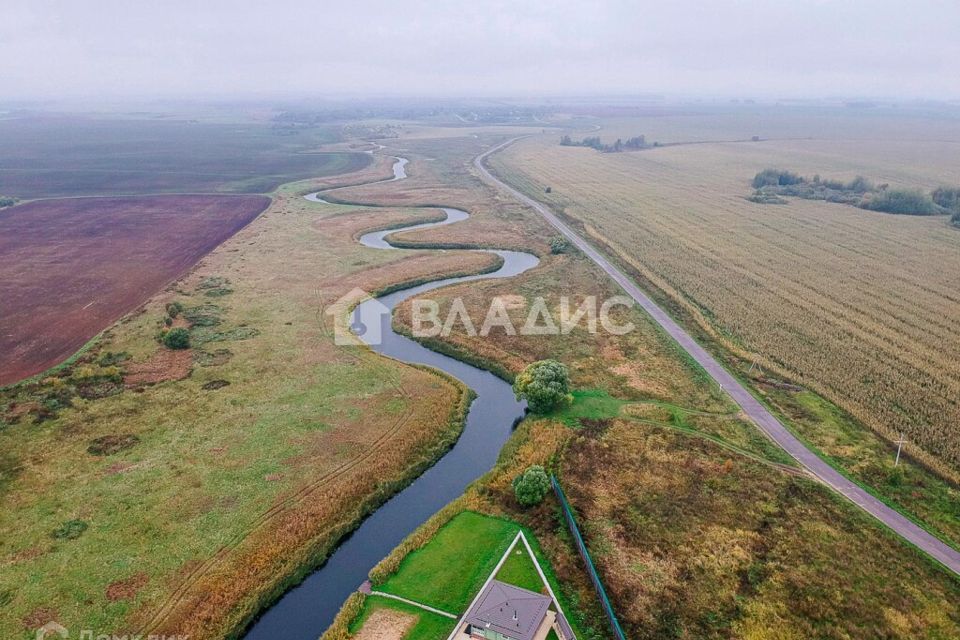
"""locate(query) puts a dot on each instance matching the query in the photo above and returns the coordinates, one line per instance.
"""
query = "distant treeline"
(594, 142)
(770, 185)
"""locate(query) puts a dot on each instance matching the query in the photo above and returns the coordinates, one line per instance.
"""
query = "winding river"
(305, 611)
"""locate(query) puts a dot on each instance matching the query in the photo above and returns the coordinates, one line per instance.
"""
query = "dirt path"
(936, 548)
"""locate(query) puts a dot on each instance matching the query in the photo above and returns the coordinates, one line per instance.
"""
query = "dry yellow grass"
(860, 306)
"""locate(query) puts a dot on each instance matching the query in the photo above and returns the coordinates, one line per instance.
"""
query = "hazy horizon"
(61, 50)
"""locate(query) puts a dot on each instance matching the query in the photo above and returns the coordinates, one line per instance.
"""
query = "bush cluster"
(178, 338)
(559, 244)
(594, 142)
(531, 486)
(771, 184)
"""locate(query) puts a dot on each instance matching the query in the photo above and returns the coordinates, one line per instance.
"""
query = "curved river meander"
(305, 611)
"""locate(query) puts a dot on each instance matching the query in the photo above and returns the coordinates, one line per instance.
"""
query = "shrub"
(174, 309)
(860, 185)
(178, 338)
(7, 201)
(948, 198)
(544, 384)
(775, 177)
(69, 530)
(110, 358)
(904, 201)
(559, 244)
(113, 443)
(531, 486)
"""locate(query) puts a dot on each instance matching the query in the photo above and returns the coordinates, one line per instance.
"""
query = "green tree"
(905, 201)
(545, 385)
(531, 486)
(178, 338)
(947, 198)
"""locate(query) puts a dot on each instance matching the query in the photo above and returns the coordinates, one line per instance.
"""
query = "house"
(505, 612)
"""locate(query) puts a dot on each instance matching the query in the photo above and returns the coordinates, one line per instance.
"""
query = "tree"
(545, 385)
(531, 486)
(178, 338)
(565, 141)
(905, 201)
(559, 244)
(947, 198)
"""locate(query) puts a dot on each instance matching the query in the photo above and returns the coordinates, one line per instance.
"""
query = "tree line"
(594, 142)
(771, 184)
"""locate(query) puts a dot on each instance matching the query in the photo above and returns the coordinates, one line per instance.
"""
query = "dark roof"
(500, 602)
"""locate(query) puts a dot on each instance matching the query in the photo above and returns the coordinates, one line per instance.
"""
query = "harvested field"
(858, 306)
(72, 266)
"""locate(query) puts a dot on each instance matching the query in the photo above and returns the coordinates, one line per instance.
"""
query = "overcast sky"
(764, 48)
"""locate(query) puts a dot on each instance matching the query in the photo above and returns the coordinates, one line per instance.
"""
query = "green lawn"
(519, 570)
(429, 626)
(451, 568)
(590, 403)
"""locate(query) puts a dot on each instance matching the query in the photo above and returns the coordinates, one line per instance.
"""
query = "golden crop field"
(860, 306)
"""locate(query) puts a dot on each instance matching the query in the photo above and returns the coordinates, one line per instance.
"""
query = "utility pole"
(899, 447)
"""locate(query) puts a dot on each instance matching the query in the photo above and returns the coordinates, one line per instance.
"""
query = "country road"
(936, 548)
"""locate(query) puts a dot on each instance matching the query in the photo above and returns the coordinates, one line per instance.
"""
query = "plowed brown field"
(70, 267)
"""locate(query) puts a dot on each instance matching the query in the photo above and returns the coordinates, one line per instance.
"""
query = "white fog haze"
(811, 48)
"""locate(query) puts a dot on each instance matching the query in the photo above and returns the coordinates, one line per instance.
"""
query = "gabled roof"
(512, 611)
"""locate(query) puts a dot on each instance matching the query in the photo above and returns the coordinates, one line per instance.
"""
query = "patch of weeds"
(43, 413)
(213, 282)
(239, 333)
(113, 443)
(111, 358)
(69, 530)
(215, 384)
(203, 315)
(89, 374)
(218, 292)
(10, 468)
(594, 427)
(212, 358)
(58, 397)
(6, 596)
(96, 390)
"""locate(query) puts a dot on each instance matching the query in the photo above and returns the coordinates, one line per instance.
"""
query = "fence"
(591, 570)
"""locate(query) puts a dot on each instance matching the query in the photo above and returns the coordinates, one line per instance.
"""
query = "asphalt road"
(936, 548)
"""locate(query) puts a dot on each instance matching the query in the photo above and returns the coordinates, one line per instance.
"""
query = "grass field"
(48, 155)
(694, 544)
(216, 495)
(856, 306)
